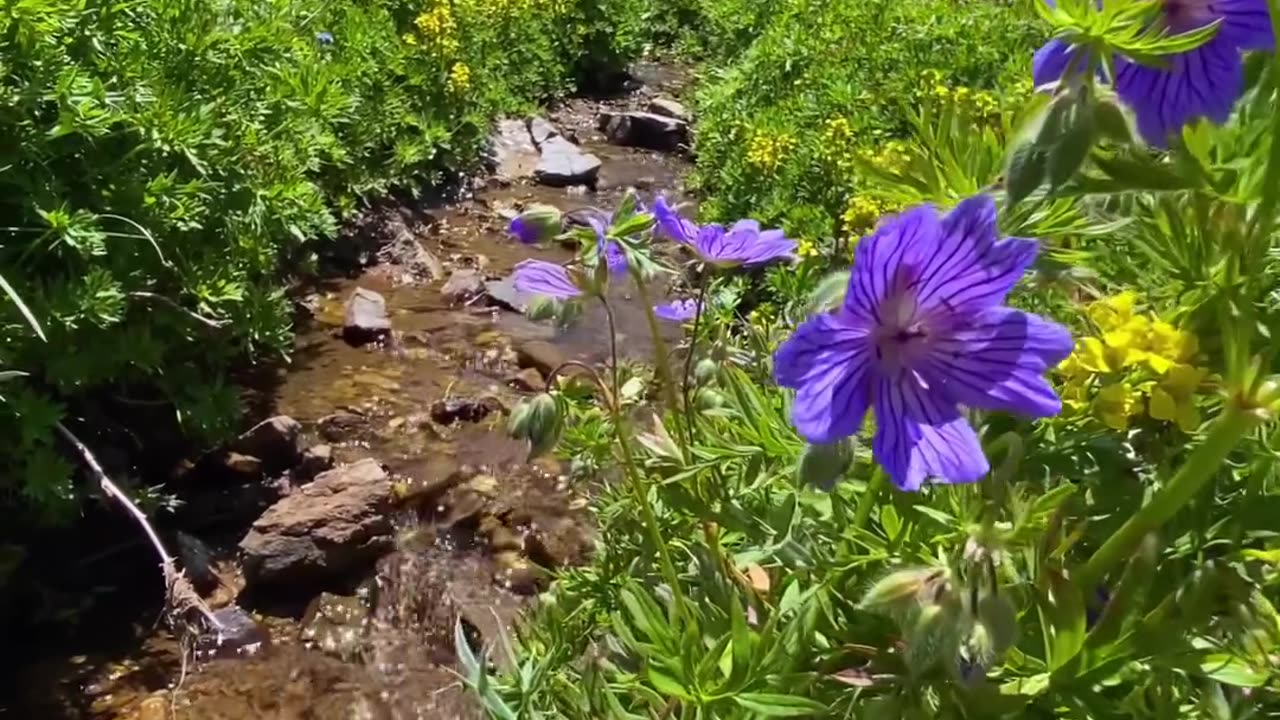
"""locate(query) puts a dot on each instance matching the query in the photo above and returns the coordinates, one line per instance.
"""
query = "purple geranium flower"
(539, 277)
(677, 310)
(923, 330)
(1205, 82)
(743, 244)
(608, 249)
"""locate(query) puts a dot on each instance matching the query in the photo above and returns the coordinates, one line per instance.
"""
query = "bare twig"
(180, 594)
(215, 324)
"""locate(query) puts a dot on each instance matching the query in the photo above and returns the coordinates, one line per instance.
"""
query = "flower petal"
(997, 362)
(1246, 24)
(920, 435)
(539, 277)
(828, 364)
(878, 258)
(1205, 82)
(1051, 61)
(677, 310)
(670, 224)
(967, 269)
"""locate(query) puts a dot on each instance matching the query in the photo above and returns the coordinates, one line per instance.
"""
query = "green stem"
(1264, 217)
(1194, 474)
(688, 361)
(869, 497)
(613, 346)
(663, 364)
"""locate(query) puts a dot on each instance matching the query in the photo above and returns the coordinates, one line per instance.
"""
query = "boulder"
(644, 129)
(315, 460)
(366, 318)
(541, 130)
(463, 285)
(328, 529)
(512, 154)
(273, 441)
(562, 163)
(669, 108)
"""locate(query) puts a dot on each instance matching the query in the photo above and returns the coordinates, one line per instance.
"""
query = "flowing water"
(477, 523)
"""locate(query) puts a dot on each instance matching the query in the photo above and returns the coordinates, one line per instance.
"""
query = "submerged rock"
(540, 355)
(463, 285)
(644, 129)
(448, 412)
(239, 636)
(366, 318)
(273, 441)
(563, 163)
(326, 530)
(341, 426)
(336, 625)
(503, 293)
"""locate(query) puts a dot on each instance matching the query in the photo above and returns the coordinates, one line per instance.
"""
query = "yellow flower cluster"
(766, 152)
(863, 212)
(1135, 357)
(979, 103)
(459, 78)
(807, 248)
(890, 157)
(438, 29)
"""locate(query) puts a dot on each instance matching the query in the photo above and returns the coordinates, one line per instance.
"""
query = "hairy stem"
(613, 345)
(663, 364)
(869, 497)
(703, 281)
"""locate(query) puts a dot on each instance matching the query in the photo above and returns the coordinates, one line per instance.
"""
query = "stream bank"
(378, 500)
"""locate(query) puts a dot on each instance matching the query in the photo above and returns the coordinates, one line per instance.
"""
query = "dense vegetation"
(165, 161)
(1115, 558)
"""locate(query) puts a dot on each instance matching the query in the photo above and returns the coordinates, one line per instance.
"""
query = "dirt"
(477, 525)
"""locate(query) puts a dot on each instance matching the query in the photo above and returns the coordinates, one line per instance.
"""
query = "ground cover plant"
(167, 166)
(1007, 452)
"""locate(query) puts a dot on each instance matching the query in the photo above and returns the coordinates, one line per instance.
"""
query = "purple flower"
(923, 330)
(743, 244)
(1205, 82)
(677, 310)
(539, 277)
(608, 249)
(537, 224)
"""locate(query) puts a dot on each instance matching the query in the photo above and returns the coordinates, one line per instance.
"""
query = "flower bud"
(1000, 621)
(537, 224)
(705, 371)
(823, 464)
(829, 294)
(902, 589)
(539, 420)
(709, 399)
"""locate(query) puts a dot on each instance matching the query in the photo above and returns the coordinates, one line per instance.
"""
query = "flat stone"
(541, 356)
(512, 154)
(503, 293)
(645, 130)
(562, 163)
(365, 319)
(669, 108)
(463, 285)
(541, 130)
(335, 526)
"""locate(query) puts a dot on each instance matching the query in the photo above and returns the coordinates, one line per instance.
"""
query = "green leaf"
(1025, 174)
(668, 685)
(1233, 671)
(22, 308)
(1067, 619)
(774, 705)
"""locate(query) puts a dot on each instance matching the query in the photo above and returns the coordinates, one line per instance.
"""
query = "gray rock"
(273, 441)
(541, 130)
(337, 525)
(669, 108)
(527, 380)
(406, 252)
(366, 318)
(512, 154)
(238, 636)
(643, 129)
(315, 460)
(463, 285)
(563, 163)
(503, 293)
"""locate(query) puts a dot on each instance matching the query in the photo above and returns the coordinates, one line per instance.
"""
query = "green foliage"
(168, 164)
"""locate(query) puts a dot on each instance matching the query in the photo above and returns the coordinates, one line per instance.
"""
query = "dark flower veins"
(922, 332)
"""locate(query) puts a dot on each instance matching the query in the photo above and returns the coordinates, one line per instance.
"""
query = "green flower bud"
(539, 223)
(709, 399)
(706, 371)
(1000, 621)
(829, 294)
(539, 420)
(903, 589)
(823, 464)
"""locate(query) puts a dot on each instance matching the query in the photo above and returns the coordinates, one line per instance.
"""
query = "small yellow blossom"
(1173, 398)
(806, 249)
(767, 152)
(459, 78)
(1113, 312)
(1115, 404)
(1169, 345)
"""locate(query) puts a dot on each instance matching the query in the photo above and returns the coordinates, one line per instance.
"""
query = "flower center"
(1187, 15)
(901, 337)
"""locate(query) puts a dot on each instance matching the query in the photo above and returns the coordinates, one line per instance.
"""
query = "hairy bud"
(539, 420)
(823, 464)
(537, 224)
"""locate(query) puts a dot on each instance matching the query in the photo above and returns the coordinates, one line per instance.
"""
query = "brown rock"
(528, 380)
(341, 426)
(335, 525)
(448, 412)
(246, 467)
(365, 319)
(273, 441)
(541, 356)
(315, 460)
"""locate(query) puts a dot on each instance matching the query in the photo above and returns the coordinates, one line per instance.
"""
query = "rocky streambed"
(378, 501)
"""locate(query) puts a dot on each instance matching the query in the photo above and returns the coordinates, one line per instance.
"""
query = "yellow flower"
(1115, 404)
(806, 248)
(459, 78)
(1129, 340)
(1094, 356)
(1174, 397)
(1113, 312)
(1168, 345)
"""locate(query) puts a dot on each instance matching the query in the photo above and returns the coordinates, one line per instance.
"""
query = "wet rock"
(562, 163)
(518, 575)
(669, 108)
(582, 217)
(243, 467)
(273, 441)
(556, 543)
(406, 252)
(463, 285)
(155, 707)
(239, 636)
(341, 426)
(541, 130)
(643, 129)
(448, 412)
(503, 293)
(365, 318)
(336, 625)
(528, 380)
(315, 460)
(196, 560)
(334, 526)
(512, 154)
(541, 356)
